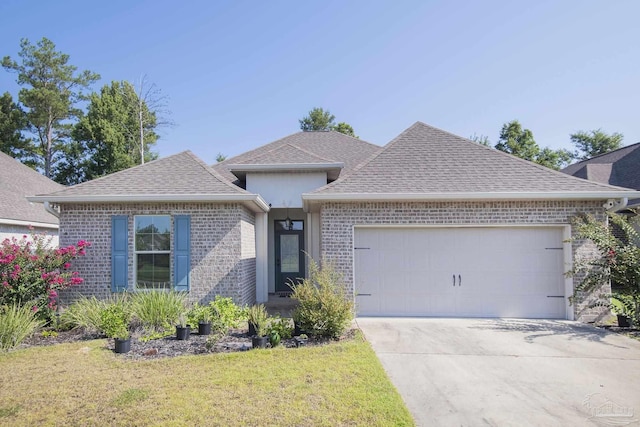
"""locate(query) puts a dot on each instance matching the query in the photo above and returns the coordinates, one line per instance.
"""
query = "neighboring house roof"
(620, 167)
(425, 163)
(304, 148)
(180, 177)
(18, 181)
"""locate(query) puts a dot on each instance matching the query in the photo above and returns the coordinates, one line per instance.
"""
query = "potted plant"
(258, 317)
(114, 322)
(183, 330)
(301, 340)
(201, 314)
(623, 307)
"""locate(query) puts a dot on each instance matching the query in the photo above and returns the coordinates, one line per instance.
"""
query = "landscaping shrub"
(33, 272)
(618, 262)
(115, 319)
(17, 322)
(324, 307)
(229, 313)
(84, 313)
(281, 326)
(158, 310)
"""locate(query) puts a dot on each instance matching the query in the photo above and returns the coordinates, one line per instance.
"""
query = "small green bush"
(324, 307)
(115, 319)
(17, 323)
(84, 313)
(158, 310)
(229, 313)
(280, 325)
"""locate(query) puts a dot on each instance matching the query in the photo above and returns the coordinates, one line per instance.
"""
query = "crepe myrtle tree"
(618, 262)
(32, 272)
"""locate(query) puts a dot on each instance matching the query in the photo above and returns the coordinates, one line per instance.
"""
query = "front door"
(289, 251)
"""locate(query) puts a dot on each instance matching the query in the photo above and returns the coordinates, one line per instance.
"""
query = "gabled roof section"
(18, 181)
(181, 177)
(620, 167)
(304, 148)
(426, 163)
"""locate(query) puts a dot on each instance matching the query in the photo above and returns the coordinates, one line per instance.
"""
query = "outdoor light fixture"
(288, 224)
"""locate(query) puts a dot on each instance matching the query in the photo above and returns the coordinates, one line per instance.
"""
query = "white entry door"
(464, 272)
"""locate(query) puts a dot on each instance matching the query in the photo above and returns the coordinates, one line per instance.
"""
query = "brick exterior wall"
(338, 220)
(222, 235)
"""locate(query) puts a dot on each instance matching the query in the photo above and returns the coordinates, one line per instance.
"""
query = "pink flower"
(66, 265)
(34, 308)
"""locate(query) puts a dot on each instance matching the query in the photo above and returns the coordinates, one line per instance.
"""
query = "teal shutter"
(181, 251)
(119, 253)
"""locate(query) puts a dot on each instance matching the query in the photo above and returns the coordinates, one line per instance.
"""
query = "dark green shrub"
(229, 313)
(324, 308)
(280, 325)
(115, 319)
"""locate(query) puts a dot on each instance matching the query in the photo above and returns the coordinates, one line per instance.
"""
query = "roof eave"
(311, 199)
(253, 201)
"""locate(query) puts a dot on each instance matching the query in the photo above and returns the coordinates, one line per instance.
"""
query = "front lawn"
(85, 383)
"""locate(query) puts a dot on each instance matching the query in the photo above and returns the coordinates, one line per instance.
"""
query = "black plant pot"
(623, 321)
(259, 342)
(183, 333)
(300, 342)
(297, 330)
(252, 329)
(204, 328)
(122, 346)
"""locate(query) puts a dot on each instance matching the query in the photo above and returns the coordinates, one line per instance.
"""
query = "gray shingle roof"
(305, 147)
(426, 160)
(18, 181)
(620, 167)
(180, 174)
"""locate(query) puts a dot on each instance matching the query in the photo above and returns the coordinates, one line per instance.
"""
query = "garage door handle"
(555, 296)
(454, 280)
(459, 280)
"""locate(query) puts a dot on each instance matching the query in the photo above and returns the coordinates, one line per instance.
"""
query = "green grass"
(85, 383)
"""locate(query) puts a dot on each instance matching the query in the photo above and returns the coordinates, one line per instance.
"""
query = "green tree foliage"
(322, 120)
(317, 120)
(595, 142)
(618, 261)
(520, 142)
(345, 128)
(107, 137)
(50, 93)
(13, 121)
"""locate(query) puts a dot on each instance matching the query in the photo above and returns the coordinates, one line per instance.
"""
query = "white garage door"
(466, 272)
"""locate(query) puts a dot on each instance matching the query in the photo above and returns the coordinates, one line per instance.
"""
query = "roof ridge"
(215, 174)
(307, 152)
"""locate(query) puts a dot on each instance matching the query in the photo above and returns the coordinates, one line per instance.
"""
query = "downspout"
(51, 210)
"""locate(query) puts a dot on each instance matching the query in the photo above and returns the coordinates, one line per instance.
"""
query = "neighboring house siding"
(8, 231)
(338, 220)
(220, 233)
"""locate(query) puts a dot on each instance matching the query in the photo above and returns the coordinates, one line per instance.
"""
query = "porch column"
(262, 264)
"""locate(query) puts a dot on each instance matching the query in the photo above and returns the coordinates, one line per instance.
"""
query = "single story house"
(431, 224)
(18, 216)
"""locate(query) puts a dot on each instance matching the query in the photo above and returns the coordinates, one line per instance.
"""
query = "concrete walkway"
(507, 372)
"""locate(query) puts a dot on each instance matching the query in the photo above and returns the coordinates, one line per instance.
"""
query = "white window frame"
(136, 252)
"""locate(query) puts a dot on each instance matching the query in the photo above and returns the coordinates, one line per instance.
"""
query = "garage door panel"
(504, 272)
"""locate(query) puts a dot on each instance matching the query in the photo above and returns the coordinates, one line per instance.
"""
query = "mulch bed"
(236, 340)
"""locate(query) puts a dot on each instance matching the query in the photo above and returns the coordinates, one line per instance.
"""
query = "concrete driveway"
(507, 372)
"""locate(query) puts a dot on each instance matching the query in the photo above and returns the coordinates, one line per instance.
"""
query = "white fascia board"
(28, 223)
(253, 201)
(274, 167)
(593, 195)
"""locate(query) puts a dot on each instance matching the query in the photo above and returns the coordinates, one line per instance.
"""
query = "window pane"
(143, 242)
(161, 242)
(162, 224)
(289, 253)
(143, 224)
(295, 225)
(153, 271)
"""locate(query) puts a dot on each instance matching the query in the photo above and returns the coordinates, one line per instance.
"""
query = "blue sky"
(239, 74)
